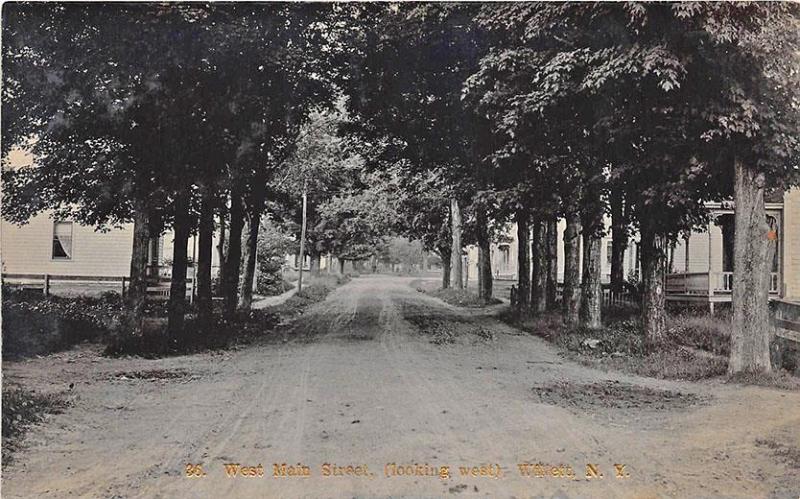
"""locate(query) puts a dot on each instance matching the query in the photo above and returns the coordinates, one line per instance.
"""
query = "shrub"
(36, 325)
(624, 337)
(620, 345)
(706, 332)
(273, 245)
(272, 284)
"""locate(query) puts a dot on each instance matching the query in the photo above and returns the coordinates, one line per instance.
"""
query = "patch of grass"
(447, 330)
(613, 395)
(665, 364)
(697, 346)
(459, 297)
(21, 409)
(621, 346)
(776, 379)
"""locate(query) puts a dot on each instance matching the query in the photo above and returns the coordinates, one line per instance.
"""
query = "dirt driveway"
(386, 380)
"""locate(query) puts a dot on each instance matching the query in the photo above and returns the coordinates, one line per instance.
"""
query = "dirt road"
(380, 374)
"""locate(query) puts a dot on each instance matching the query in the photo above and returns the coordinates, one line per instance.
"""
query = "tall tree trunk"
(136, 294)
(341, 266)
(619, 241)
(591, 287)
(256, 205)
(654, 259)
(221, 250)
(523, 261)
(456, 272)
(233, 257)
(177, 289)
(753, 253)
(485, 279)
(204, 257)
(571, 295)
(539, 264)
(444, 254)
(250, 255)
(552, 263)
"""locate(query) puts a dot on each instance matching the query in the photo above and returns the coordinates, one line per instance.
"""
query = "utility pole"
(302, 242)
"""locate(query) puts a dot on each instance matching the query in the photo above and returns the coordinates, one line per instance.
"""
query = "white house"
(78, 258)
(701, 265)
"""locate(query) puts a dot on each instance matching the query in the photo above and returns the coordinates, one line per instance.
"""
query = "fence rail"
(786, 315)
(158, 287)
(611, 298)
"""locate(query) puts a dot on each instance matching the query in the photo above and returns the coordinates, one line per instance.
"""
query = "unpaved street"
(358, 383)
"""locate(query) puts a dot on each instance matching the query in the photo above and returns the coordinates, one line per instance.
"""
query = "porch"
(701, 264)
(709, 286)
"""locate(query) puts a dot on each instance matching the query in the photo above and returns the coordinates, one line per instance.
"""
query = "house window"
(609, 252)
(62, 240)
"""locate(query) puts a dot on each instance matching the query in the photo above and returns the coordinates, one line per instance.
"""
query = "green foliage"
(135, 103)
(325, 166)
(401, 250)
(656, 91)
(353, 226)
(273, 246)
(38, 325)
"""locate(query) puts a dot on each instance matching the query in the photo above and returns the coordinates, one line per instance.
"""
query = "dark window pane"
(58, 249)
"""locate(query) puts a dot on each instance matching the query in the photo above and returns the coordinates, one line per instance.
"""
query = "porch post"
(686, 254)
(710, 275)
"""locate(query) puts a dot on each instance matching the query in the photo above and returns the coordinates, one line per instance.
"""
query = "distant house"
(504, 256)
(701, 265)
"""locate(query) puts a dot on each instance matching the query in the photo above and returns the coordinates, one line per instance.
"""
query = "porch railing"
(700, 283)
(690, 283)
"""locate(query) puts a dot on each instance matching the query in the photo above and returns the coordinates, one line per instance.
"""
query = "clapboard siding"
(27, 249)
(791, 245)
